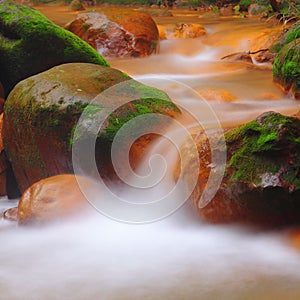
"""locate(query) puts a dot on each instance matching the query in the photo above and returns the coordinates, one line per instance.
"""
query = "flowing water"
(179, 257)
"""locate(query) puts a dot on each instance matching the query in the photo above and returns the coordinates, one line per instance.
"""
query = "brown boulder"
(261, 183)
(127, 33)
(226, 10)
(41, 115)
(76, 5)
(53, 198)
(189, 31)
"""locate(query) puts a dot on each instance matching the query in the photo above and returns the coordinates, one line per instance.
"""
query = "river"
(178, 257)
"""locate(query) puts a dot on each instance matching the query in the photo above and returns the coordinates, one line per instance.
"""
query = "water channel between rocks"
(179, 257)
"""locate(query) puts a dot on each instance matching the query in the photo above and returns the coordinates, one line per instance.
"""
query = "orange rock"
(187, 31)
(52, 198)
(249, 192)
(11, 214)
(162, 32)
(126, 33)
(226, 10)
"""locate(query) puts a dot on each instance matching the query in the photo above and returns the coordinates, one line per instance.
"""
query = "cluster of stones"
(49, 77)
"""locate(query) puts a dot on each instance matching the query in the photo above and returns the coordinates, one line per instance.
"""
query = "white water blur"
(93, 257)
(177, 258)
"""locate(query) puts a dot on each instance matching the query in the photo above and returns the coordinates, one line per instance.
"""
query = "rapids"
(179, 257)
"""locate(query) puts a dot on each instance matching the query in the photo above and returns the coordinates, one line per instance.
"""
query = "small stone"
(11, 214)
(53, 198)
(189, 31)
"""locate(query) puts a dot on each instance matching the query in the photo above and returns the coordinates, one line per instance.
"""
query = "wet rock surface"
(30, 43)
(189, 31)
(41, 115)
(261, 184)
(53, 198)
(286, 70)
(128, 33)
(11, 214)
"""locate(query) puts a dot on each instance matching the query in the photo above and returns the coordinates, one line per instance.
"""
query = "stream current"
(179, 257)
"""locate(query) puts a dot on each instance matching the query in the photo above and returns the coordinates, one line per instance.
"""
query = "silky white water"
(179, 257)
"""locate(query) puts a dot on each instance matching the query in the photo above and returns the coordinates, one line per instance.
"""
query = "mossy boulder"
(30, 44)
(256, 9)
(125, 33)
(42, 111)
(76, 5)
(286, 68)
(261, 184)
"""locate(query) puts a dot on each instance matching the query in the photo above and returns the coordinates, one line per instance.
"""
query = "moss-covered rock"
(261, 184)
(256, 9)
(127, 33)
(76, 5)
(286, 68)
(30, 43)
(42, 111)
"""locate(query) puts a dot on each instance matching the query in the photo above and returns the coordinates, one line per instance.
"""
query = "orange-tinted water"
(179, 257)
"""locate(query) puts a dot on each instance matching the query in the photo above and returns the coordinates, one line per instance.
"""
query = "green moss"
(286, 68)
(260, 146)
(293, 33)
(43, 112)
(244, 4)
(30, 43)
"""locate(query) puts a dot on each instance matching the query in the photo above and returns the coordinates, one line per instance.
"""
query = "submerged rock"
(113, 35)
(189, 31)
(261, 184)
(41, 115)
(53, 198)
(30, 44)
(216, 95)
(76, 5)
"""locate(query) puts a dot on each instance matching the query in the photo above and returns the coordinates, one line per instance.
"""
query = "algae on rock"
(30, 44)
